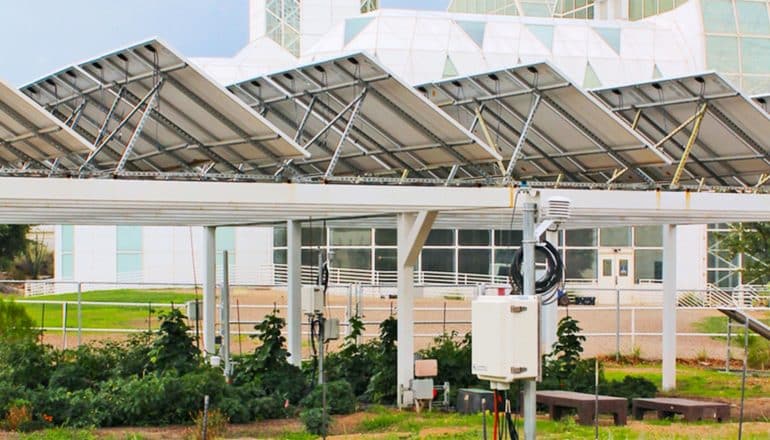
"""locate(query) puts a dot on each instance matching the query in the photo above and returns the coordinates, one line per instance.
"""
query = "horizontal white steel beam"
(107, 202)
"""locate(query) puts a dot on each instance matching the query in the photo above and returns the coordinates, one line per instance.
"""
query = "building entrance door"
(616, 267)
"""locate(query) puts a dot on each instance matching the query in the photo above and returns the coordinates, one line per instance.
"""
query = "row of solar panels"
(145, 111)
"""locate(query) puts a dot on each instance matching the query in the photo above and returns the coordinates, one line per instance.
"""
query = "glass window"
(718, 16)
(279, 256)
(129, 263)
(722, 53)
(581, 264)
(385, 260)
(650, 7)
(352, 259)
(607, 267)
(755, 53)
(648, 236)
(441, 237)
(129, 238)
(649, 265)
(67, 266)
(438, 260)
(310, 257)
(580, 237)
(620, 236)
(476, 261)
(225, 238)
(752, 17)
(473, 237)
(313, 237)
(279, 236)
(724, 279)
(508, 238)
(67, 238)
(351, 237)
(385, 237)
(635, 9)
(503, 259)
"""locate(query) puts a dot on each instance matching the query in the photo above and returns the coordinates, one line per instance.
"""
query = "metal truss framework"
(357, 120)
(546, 128)
(714, 135)
(146, 109)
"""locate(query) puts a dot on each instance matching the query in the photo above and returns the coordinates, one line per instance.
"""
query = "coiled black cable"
(553, 274)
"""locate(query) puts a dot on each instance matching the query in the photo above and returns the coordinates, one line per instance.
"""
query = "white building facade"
(595, 44)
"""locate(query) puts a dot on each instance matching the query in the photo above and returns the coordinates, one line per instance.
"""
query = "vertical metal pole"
(617, 320)
(405, 356)
(294, 290)
(743, 376)
(528, 274)
(729, 338)
(225, 326)
(64, 324)
(209, 289)
(238, 317)
(80, 313)
(669, 307)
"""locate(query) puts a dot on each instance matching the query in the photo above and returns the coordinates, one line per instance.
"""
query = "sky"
(39, 37)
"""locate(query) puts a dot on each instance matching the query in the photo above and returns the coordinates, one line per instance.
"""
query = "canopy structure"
(31, 138)
(716, 135)
(544, 126)
(358, 120)
(146, 110)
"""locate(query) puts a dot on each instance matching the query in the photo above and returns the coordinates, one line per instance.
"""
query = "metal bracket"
(518, 309)
(518, 370)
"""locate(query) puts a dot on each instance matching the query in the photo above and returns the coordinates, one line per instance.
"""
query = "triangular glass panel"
(450, 70)
(354, 26)
(475, 30)
(542, 32)
(590, 78)
(610, 36)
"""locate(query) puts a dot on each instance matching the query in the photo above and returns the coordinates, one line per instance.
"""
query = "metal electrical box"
(506, 338)
(332, 329)
(312, 300)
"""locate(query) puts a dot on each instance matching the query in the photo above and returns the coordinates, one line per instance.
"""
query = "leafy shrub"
(630, 387)
(339, 398)
(15, 324)
(562, 368)
(26, 364)
(18, 415)
(269, 363)
(759, 353)
(382, 385)
(453, 355)
(314, 420)
(353, 362)
(84, 367)
(174, 348)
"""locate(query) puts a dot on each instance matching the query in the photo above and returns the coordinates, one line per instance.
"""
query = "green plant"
(16, 326)
(759, 353)
(353, 362)
(453, 355)
(382, 385)
(174, 348)
(563, 368)
(216, 425)
(314, 421)
(13, 240)
(339, 398)
(631, 387)
(702, 355)
(18, 415)
(269, 363)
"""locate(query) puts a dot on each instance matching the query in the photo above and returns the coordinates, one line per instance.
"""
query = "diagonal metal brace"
(522, 139)
(137, 130)
(337, 151)
(690, 143)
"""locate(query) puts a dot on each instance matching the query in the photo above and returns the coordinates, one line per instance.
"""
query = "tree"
(13, 241)
(753, 241)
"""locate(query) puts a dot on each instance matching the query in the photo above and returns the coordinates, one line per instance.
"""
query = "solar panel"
(148, 110)
(30, 138)
(357, 119)
(728, 134)
(556, 130)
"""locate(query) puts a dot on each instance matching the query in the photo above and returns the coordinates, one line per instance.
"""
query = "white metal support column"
(528, 275)
(294, 287)
(209, 289)
(413, 230)
(669, 307)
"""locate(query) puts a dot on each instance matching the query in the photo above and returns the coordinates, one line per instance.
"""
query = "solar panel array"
(147, 112)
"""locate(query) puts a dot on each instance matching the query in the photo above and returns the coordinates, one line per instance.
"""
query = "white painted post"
(405, 287)
(669, 307)
(209, 290)
(225, 318)
(528, 275)
(294, 290)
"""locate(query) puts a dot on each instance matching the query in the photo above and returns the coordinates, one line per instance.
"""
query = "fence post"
(64, 324)
(349, 308)
(80, 313)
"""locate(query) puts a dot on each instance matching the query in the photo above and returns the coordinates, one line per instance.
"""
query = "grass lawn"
(718, 324)
(386, 423)
(108, 316)
(697, 382)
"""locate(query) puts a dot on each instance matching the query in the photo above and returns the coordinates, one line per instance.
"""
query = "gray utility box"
(469, 400)
(193, 312)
